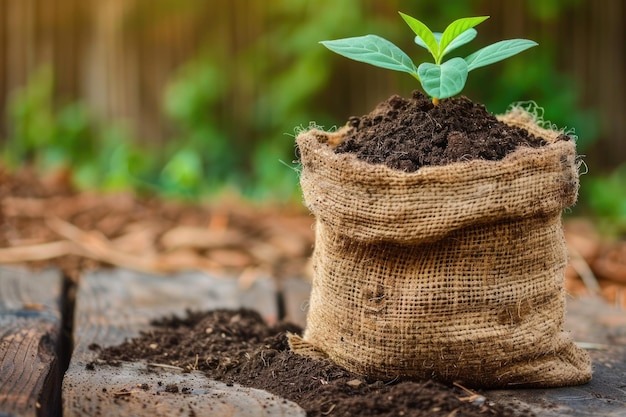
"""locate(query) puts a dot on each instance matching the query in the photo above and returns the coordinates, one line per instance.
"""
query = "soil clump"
(406, 134)
(239, 347)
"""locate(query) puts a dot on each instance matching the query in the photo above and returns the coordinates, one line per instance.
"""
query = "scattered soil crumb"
(173, 388)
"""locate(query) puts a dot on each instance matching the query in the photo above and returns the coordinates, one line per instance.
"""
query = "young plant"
(441, 79)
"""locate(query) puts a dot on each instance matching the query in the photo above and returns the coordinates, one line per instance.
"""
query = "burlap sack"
(452, 272)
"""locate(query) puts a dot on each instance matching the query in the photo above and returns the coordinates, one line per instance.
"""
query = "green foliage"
(202, 156)
(439, 79)
(119, 163)
(183, 173)
(66, 136)
(43, 135)
(606, 198)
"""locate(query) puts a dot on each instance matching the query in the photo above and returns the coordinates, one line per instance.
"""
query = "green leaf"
(459, 41)
(455, 29)
(497, 52)
(423, 32)
(420, 42)
(373, 50)
(445, 80)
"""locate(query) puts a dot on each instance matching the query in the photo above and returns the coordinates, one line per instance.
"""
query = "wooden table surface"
(30, 325)
(112, 305)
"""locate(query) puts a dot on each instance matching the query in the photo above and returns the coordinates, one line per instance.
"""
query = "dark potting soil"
(239, 347)
(406, 134)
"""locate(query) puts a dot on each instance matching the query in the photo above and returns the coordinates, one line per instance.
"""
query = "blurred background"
(196, 99)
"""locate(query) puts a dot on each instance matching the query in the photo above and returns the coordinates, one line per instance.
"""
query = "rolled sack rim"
(372, 201)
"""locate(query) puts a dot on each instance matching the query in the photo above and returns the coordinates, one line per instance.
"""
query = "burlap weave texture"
(451, 272)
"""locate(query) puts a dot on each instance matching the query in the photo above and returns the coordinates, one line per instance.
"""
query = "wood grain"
(132, 389)
(30, 323)
(115, 305)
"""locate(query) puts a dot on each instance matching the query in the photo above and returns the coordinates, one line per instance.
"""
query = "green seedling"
(441, 79)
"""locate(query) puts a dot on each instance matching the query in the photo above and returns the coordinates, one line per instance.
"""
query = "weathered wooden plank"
(133, 389)
(592, 321)
(30, 323)
(115, 305)
(296, 299)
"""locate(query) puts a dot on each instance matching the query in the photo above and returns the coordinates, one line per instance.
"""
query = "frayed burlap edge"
(369, 201)
(301, 347)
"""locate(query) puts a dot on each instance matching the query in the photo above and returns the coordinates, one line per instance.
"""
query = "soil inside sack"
(406, 134)
(239, 347)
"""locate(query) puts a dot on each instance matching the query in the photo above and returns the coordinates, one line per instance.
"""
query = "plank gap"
(280, 304)
(65, 343)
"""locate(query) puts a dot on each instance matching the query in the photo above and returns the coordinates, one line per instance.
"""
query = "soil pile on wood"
(406, 134)
(239, 347)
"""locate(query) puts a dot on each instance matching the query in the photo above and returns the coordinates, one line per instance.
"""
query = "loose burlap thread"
(452, 272)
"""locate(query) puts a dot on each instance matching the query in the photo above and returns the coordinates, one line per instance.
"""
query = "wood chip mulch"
(44, 222)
